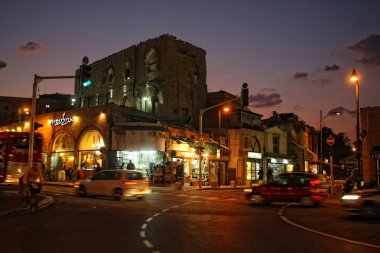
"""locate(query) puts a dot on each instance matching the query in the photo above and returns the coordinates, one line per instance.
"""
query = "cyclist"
(32, 176)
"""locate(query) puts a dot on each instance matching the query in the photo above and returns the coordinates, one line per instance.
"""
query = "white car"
(115, 183)
(365, 202)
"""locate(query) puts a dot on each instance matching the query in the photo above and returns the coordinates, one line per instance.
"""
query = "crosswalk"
(194, 195)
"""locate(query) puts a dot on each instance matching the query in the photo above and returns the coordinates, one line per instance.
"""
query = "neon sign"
(62, 121)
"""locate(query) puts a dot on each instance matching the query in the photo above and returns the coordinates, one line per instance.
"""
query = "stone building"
(299, 144)
(164, 77)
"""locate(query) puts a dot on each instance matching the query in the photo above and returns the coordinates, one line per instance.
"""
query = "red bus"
(14, 154)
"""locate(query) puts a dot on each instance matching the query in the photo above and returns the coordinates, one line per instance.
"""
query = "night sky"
(296, 56)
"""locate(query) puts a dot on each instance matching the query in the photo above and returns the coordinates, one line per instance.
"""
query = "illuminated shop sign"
(279, 160)
(62, 121)
(254, 155)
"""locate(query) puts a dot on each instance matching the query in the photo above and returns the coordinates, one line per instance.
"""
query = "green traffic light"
(87, 83)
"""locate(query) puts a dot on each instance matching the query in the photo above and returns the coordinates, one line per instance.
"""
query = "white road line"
(165, 210)
(156, 214)
(144, 226)
(187, 203)
(148, 220)
(174, 206)
(328, 235)
(142, 234)
(148, 244)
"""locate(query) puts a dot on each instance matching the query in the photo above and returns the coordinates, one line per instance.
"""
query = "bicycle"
(29, 199)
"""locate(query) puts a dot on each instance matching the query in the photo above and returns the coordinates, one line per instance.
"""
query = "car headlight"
(351, 197)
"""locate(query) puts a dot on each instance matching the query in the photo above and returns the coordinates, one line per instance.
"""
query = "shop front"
(62, 158)
(253, 164)
(276, 166)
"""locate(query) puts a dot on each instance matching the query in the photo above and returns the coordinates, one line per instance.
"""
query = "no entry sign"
(330, 140)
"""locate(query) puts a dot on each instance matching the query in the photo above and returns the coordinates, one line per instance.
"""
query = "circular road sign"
(330, 140)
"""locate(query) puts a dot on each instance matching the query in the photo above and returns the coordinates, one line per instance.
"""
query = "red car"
(306, 188)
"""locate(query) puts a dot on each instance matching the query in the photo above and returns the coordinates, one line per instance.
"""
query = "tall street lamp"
(355, 78)
(225, 109)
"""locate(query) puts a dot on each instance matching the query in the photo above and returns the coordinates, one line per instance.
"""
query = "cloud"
(370, 49)
(301, 75)
(30, 48)
(3, 64)
(331, 68)
(265, 100)
(340, 110)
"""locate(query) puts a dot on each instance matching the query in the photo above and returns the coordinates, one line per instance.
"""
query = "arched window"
(110, 75)
(151, 60)
(128, 70)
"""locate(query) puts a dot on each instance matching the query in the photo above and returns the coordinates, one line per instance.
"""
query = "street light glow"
(354, 76)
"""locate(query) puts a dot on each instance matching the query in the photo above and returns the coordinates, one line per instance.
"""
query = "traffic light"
(85, 72)
(37, 125)
(244, 95)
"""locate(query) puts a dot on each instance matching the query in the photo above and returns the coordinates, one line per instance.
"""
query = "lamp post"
(225, 109)
(355, 78)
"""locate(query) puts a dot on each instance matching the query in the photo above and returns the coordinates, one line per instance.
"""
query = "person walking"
(130, 166)
(269, 174)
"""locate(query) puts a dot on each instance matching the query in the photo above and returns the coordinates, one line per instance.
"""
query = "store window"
(62, 158)
(253, 171)
(89, 152)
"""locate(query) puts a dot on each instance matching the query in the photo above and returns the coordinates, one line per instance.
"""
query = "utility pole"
(37, 79)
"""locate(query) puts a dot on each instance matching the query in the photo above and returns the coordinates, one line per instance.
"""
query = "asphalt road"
(194, 221)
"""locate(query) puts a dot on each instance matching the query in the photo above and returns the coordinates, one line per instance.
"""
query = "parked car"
(307, 188)
(114, 183)
(366, 202)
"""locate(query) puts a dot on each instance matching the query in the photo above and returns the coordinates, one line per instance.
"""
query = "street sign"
(330, 140)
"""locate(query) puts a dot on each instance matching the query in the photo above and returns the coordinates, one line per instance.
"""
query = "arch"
(253, 144)
(62, 156)
(151, 60)
(90, 141)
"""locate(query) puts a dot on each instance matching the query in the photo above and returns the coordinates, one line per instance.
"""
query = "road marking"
(148, 244)
(321, 233)
(144, 226)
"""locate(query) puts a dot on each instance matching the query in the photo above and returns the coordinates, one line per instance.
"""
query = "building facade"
(370, 125)
(164, 77)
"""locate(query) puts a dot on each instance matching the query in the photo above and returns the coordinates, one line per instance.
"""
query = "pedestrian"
(130, 165)
(261, 173)
(269, 174)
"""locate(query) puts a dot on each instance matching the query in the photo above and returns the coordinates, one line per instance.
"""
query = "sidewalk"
(10, 201)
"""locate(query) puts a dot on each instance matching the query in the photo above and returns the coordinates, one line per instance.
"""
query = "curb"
(45, 202)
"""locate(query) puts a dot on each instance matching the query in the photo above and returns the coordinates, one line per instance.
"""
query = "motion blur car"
(114, 183)
(306, 188)
(364, 202)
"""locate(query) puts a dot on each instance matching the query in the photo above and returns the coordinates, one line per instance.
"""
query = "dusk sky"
(296, 56)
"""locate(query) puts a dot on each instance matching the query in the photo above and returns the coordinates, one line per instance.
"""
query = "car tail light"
(315, 183)
(146, 181)
(130, 182)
